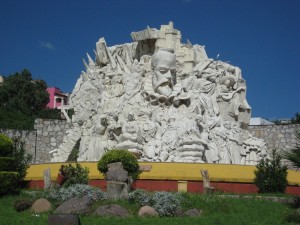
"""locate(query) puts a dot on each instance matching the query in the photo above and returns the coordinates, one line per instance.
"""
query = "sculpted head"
(164, 70)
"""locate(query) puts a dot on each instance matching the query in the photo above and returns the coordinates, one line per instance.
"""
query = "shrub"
(77, 190)
(74, 174)
(22, 204)
(9, 183)
(139, 196)
(128, 159)
(270, 176)
(21, 158)
(165, 203)
(6, 145)
(7, 164)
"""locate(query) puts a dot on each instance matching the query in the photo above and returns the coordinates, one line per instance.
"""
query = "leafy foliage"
(76, 190)
(74, 174)
(271, 175)
(296, 119)
(6, 145)
(23, 99)
(7, 164)
(127, 158)
(165, 203)
(21, 158)
(294, 154)
(139, 196)
(9, 183)
(16, 159)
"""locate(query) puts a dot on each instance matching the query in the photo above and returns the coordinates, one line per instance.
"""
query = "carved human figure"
(129, 137)
(98, 141)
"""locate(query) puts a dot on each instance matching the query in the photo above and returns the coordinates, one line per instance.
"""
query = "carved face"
(164, 72)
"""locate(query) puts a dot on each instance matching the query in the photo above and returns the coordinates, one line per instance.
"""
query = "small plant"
(128, 159)
(165, 203)
(139, 196)
(270, 176)
(74, 174)
(77, 190)
(22, 204)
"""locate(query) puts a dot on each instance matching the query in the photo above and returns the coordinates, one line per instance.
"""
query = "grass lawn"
(216, 210)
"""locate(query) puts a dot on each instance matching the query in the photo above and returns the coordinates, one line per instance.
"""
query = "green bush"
(127, 158)
(21, 158)
(7, 164)
(9, 183)
(165, 203)
(76, 190)
(74, 174)
(6, 145)
(270, 176)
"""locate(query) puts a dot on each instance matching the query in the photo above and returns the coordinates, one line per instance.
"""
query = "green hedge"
(7, 164)
(9, 183)
(127, 158)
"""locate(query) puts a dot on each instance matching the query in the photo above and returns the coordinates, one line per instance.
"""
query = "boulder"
(147, 211)
(75, 205)
(111, 210)
(41, 205)
(64, 219)
(193, 212)
(117, 190)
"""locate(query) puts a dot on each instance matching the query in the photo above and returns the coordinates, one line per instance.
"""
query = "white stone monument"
(163, 100)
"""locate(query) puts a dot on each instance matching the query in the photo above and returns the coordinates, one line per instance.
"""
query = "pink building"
(57, 98)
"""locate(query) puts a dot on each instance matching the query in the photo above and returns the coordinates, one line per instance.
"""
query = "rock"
(41, 205)
(147, 211)
(111, 210)
(74, 205)
(193, 212)
(64, 219)
(116, 172)
(117, 190)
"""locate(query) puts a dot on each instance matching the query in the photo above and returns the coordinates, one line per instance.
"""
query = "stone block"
(64, 219)
(117, 190)
(116, 172)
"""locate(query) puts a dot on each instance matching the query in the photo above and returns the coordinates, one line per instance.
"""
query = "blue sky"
(50, 38)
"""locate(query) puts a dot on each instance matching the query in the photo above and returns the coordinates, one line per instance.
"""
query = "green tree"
(22, 100)
(271, 174)
(296, 119)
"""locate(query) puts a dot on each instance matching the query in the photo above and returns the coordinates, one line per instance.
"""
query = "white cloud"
(47, 45)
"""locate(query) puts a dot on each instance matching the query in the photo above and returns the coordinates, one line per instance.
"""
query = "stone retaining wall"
(279, 137)
(49, 134)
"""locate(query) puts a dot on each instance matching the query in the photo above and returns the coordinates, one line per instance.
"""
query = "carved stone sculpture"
(164, 101)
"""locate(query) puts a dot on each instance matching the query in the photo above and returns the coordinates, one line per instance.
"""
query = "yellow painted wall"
(172, 171)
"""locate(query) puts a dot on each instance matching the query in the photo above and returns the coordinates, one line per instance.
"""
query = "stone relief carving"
(163, 100)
